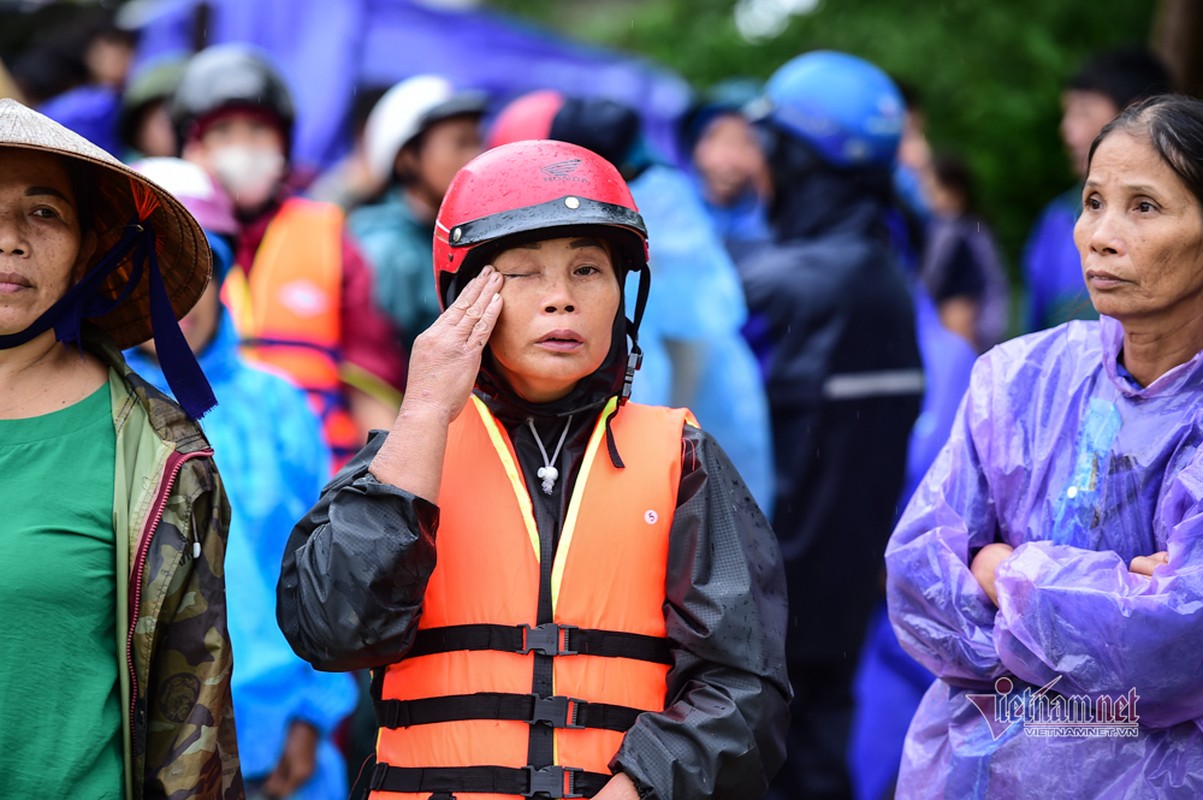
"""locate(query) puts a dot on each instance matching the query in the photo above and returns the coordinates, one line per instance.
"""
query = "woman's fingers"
(478, 337)
(469, 296)
(985, 564)
(479, 302)
(1144, 565)
(446, 356)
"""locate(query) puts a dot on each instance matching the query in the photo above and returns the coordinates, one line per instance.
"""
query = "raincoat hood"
(812, 198)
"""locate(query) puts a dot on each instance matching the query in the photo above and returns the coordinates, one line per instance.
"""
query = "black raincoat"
(355, 569)
(834, 328)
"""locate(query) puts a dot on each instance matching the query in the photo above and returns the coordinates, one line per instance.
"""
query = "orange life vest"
(287, 311)
(456, 714)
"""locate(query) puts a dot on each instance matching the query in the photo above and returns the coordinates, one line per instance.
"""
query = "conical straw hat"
(183, 251)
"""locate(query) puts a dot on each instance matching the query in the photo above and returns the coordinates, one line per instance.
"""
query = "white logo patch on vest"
(304, 298)
(650, 516)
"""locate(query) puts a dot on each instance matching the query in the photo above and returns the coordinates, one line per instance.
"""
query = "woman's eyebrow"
(1132, 187)
(33, 191)
(577, 244)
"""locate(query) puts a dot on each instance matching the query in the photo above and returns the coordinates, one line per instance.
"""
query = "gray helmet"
(230, 76)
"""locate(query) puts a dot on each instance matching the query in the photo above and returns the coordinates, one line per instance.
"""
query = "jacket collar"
(168, 420)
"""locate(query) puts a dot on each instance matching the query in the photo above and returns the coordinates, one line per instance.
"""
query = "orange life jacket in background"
(456, 713)
(287, 311)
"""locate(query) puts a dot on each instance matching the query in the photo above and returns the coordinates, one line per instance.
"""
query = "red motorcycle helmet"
(539, 189)
(531, 190)
(527, 117)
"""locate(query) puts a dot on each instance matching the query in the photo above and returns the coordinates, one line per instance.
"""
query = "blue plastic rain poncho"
(272, 459)
(697, 305)
(1058, 453)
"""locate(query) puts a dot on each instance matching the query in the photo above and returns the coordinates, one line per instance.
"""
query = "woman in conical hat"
(115, 518)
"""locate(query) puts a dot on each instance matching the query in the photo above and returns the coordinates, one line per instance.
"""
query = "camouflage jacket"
(171, 517)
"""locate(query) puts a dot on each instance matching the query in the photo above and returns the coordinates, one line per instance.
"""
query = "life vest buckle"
(549, 639)
(379, 773)
(557, 711)
(553, 782)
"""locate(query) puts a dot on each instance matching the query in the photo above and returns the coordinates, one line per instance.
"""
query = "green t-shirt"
(60, 701)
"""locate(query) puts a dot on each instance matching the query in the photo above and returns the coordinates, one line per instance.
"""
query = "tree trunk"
(1177, 34)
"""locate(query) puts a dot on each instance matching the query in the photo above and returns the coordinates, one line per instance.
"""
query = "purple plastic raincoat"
(1058, 453)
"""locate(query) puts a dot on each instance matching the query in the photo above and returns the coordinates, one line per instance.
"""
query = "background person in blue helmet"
(889, 683)
(268, 445)
(844, 380)
(1054, 548)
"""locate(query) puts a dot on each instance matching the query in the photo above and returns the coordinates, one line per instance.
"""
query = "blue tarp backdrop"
(328, 50)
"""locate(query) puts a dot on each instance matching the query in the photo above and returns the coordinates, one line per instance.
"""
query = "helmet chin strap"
(84, 301)
(635, 356)
(634, 361)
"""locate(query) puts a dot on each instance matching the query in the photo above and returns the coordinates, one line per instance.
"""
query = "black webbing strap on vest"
(548, 639)
(550, 782)
(555, 711)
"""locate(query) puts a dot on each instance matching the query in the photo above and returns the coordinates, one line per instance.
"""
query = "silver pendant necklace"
(547, 473)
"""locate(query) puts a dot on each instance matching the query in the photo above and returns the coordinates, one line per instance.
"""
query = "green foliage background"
(989, 73)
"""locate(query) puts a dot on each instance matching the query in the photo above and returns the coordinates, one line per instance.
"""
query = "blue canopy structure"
(327, 51)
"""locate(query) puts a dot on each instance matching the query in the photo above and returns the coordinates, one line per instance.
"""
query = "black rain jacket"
(356, 567)
(836, 340)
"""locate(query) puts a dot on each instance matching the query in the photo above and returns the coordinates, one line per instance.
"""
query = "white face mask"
(249, 175)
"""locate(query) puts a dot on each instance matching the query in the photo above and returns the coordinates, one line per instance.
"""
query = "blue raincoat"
(400, 250)
(741, 226)
(697, 301)
(272, 459)
(1053, 268)
(1057, 452)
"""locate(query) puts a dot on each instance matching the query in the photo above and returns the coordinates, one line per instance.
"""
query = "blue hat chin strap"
(84, 301)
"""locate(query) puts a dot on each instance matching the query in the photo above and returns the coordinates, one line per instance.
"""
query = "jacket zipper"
(175, 463)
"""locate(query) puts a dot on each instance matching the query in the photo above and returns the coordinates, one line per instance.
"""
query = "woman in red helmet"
(560, 594)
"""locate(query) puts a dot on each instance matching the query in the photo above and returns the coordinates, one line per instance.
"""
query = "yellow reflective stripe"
(511, 470)
(574, 505)
(359, 378)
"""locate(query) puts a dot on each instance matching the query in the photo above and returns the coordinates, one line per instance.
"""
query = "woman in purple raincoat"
(1049, 569)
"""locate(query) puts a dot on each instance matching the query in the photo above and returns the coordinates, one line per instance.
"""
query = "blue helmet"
(847, 109)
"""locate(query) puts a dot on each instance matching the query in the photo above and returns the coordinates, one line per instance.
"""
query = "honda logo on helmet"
(562, 169)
